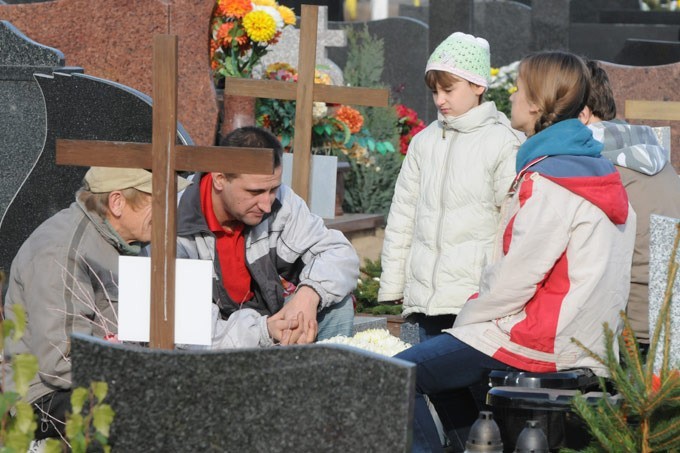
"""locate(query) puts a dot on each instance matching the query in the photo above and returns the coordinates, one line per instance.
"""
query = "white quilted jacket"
(445, 210)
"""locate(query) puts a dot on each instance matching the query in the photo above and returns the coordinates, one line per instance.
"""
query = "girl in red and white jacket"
(563, 255)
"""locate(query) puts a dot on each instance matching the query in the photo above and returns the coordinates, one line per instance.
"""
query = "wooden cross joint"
(164, 157)
(305, 92)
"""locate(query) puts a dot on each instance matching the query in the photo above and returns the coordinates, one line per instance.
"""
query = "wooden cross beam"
(163, 156)
(305, 92)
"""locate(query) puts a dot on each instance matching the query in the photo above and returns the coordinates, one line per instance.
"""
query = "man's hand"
(284, 330)
(305, 302)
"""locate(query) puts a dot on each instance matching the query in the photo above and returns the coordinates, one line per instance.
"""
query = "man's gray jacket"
(65, 277)
(290, 242)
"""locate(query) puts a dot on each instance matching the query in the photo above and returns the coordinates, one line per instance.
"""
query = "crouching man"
(258, 233)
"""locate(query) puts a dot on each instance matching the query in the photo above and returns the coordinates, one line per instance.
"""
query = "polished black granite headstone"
(645, 52)
(305, 398)
(79, 107)
(404, 66)
(22, 110)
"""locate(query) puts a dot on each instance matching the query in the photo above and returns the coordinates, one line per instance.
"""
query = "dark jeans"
(458, 408)
(444, 363)
(51, 411)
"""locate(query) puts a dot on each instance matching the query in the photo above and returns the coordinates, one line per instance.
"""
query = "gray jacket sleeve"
(331, 266)
(245, 328)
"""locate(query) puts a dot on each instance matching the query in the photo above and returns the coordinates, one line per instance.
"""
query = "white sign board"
(193, 300)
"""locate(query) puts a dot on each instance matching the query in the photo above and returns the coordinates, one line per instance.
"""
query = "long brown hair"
(558, 83)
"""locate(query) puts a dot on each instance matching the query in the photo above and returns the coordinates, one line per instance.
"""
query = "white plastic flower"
(379, 341)
(319, 110)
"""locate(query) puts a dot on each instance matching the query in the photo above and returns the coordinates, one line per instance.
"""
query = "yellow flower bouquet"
(241, 33)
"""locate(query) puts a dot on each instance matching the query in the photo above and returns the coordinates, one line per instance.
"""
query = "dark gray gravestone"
(421, 13)
(605, 41)
(78, 107)
(22, 110)
(507, 27)
(550, 25)
(304, 398)
(405, 62)
(644, 52)
(590, 10)
(640, 17)
(448, 16)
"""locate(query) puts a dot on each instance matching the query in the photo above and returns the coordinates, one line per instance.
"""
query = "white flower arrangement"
(379, 341)
(504, 77)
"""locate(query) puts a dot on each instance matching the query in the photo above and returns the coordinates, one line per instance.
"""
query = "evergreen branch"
(664, 430)
(590, 353)
(663, 395)
(671, 444)
(631, 351)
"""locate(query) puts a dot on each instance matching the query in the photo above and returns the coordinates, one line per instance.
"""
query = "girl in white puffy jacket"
(446, 206)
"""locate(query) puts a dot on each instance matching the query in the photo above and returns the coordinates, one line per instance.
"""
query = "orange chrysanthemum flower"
(287, 15)
(351, 117)
(234, 8)
(224, 36)
(260, 26)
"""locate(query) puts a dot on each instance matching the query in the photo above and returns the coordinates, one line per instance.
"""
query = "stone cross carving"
(286, 49)
(305, 92)
(163, 156)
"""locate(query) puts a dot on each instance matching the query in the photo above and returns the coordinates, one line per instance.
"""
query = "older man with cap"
(65, 277)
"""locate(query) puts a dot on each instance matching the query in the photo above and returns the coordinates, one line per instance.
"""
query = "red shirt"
(230, 248)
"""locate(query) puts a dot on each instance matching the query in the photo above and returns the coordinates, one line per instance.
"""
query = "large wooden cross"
(305, 92)
(163, 156)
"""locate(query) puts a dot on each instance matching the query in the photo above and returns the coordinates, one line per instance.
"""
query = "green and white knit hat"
(464, 56)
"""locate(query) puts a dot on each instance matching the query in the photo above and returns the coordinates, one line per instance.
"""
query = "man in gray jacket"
(650, 180)
(263, 241)
(65, 277)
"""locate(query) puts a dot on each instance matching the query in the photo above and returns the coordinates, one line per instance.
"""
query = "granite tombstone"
(590, 10)
(78, 107)
(507, 27)
(648, 52)
(662, 238)
(304, 398)
(404, 66)
(287, 49)
(660, 84)
(22, 117)
(112, 40)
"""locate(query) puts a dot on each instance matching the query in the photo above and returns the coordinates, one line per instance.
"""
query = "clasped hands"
(296, 322)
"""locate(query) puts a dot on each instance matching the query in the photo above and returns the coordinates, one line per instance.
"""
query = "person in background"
(257, 231)
(650, 180)
(65, 277)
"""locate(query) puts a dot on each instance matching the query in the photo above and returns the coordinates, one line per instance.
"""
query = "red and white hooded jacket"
(563, 258)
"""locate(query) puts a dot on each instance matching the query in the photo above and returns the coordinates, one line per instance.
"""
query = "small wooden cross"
(305, 92)
(163, 156)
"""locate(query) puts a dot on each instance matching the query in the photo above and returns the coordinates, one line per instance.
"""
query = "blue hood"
(568, 137)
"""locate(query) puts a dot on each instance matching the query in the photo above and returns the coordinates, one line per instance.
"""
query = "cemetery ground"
(103, 96)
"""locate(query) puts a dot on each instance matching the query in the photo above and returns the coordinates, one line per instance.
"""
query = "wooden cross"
(163, 156)
(305, 92)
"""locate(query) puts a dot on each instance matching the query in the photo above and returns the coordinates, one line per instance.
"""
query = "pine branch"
(630, 350)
